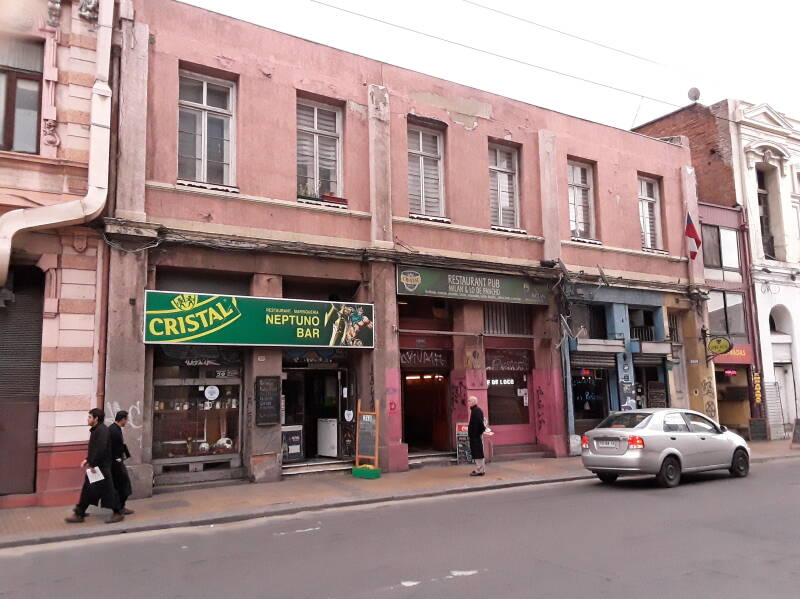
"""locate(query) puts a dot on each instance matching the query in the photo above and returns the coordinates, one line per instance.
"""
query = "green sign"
(196, 319)
(461, 284)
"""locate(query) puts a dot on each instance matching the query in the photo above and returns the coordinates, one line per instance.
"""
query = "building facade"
(54, 147)
(393, 240)
(747, 157)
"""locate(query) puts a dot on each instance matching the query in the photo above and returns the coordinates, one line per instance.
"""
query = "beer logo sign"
(410, 279)
(719, 345)
(191, 318)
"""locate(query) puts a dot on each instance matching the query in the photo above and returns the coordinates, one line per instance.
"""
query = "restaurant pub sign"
(192, 318)
(459, 284)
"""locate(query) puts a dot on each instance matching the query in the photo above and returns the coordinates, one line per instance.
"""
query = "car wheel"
(670, 473)
(607, 477)
(740, 465)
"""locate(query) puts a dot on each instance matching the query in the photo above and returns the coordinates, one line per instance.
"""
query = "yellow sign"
(719, 345)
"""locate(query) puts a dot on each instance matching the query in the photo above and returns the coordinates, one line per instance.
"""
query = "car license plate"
(607, 444)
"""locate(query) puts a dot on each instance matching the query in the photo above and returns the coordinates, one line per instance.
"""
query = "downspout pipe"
(92, 204)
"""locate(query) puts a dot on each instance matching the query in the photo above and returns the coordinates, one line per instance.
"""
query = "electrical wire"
(566, 33)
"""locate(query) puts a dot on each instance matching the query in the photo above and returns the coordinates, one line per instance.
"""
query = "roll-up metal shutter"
(20, 362)
(648, 360)
(580, 359)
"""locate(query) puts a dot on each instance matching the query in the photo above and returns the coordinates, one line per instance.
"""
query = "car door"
(714, 448)
(676, 435)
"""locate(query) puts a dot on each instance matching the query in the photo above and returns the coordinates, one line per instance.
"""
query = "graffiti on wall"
(709, 398)
(135, 419)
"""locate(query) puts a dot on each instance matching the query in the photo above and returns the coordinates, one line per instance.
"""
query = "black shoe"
(115, 517)
(75, 518)
(476, 473)
(126, 512)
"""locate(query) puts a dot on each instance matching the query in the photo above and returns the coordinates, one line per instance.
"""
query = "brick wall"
(710, 143)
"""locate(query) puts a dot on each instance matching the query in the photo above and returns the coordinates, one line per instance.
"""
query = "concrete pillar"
(700, 373)
(262, 449)
(380, 166)
(549, 399)
(469, 365)
(126, 374)
(618, 323)
(549, 169)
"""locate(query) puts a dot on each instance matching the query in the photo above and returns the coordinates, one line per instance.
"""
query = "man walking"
(98, 463)
(475, 431)
(120, 453)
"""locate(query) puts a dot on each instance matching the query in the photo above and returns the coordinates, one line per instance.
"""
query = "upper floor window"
(20, 94)
(726, 313)
(503, 197)
(721, 254)
(319, 134)
(581, 200)
(205, 129)
(764, 216)
(650, 213)
(425, 195)
(507, 319)
(796, 217)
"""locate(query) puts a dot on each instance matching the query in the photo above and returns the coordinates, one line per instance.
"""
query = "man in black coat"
(120, 453)
(475, 431)
(98, 459)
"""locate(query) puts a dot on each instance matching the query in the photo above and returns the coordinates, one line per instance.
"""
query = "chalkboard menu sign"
(463, 451)
(758, 429)
(656, 395)
(268, 400)
(367, 436)
(796, 435)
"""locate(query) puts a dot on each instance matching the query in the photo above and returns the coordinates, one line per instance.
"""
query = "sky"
(654, 51)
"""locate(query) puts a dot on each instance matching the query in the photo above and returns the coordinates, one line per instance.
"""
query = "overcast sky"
(725, 48)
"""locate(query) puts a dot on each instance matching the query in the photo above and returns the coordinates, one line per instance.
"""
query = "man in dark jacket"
(475, 431)
(98, 459)
(120, 453)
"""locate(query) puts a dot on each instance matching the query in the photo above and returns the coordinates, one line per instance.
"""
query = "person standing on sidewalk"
(475, 431)
(120, 453)
(98, 460)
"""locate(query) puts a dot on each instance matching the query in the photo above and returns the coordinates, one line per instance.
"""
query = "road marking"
(298, 531)
(463, 572)
(410, 583)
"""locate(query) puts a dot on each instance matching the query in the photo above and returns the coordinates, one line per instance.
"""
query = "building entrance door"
(426, 418)
(21, 307)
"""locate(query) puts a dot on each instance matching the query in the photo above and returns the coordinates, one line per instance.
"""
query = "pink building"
(55, 107)
(296, 230)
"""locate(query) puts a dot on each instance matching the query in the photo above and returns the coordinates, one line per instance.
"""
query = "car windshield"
(626, 420)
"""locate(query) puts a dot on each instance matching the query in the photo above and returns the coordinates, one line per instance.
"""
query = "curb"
(228, 517)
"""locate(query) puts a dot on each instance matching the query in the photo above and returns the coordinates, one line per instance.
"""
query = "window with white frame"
(581, 200)
(796, 214)
(649, 213)
(721, 254)
(319, 134)
(205, 129)
(425, 195)
(21, 64)
(503, 198)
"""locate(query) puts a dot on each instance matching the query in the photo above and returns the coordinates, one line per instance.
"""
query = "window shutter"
(327, 164)
(493, 197)
(305, 163)
(189, 144)
(433, 204)
(414, 185)
(506, 194)
(305, 116)
(413, 140)
(430, 144)
(326, 120)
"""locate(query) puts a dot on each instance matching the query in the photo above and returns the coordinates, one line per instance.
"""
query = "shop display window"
(589, 393)
(508, 397)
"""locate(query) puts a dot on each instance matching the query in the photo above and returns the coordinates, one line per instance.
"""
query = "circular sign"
(719, 345)
(212, 392)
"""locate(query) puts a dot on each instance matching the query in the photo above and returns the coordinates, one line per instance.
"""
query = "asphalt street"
(711, 537)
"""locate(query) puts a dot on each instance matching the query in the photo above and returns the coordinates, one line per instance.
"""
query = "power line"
(566, 33)
(497, 55)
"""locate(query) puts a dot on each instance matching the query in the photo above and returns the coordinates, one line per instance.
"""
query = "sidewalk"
(231, 503)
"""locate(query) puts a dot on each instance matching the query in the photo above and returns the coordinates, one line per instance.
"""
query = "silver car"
(664, 442)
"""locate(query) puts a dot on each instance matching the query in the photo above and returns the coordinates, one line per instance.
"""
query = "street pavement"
(713, 536)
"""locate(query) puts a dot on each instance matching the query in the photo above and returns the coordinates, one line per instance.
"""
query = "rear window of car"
(626, 420)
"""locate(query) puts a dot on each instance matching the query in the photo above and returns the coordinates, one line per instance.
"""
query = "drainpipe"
(92, 204)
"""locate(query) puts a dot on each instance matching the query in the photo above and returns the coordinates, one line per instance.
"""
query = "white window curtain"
(425, 172)
(503, 186)
(581, 217)
(648, 213)
(318, 149)
(21, 54)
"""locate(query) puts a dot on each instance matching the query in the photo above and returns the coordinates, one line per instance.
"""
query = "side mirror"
(722, 428)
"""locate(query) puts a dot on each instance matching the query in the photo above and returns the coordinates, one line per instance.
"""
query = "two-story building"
(55, 122)
(747, 158)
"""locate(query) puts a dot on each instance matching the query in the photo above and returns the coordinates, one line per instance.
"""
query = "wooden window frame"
(515, 172)
(657, 243)
(592, 233)
(7, 134)
(420, 155)
(317, 133)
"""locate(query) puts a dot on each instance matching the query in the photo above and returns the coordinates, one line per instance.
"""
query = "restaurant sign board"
(460, 284)
(198, 319)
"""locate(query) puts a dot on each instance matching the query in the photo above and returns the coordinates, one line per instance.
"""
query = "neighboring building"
(748, 157)
(55, 109)
(261, 165)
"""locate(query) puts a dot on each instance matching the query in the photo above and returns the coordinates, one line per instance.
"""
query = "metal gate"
(21, 304)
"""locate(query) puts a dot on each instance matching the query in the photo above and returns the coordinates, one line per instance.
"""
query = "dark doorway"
(21, 305)
(312, 401)
(425, 415)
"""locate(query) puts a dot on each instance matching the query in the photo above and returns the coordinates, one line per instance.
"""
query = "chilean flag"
(693, 238)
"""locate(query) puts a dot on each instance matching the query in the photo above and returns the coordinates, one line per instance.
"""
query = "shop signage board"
(463, 451)
(656, 395)
(197, 319)
(758, 429)
(739, 354)
(461, 284)
(757, 388)
(367, 432)
(719, 345)
(268, 400)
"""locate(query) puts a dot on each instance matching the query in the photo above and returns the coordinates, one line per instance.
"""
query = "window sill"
(318, 202)
(509, 230)
(202, 185)
(656, 251)
(433, 219)
(586, 240)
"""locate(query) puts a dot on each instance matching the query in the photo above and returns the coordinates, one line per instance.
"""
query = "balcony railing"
(643, 333)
